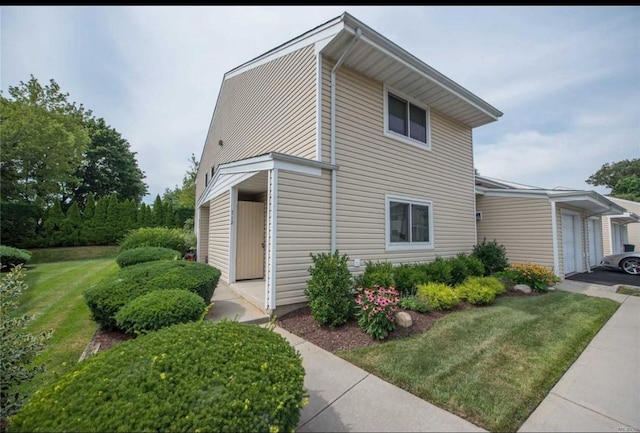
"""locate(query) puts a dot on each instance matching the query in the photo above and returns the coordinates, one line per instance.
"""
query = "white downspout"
(333, 137)
(554, 234)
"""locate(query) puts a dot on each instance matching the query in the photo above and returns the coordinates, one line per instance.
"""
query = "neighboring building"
(558, 228)
(337, 139)
(618, 230)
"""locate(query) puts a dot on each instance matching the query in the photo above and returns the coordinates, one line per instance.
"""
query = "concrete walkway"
(601, 390)
(227, 304)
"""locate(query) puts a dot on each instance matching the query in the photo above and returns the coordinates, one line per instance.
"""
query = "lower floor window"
(409, 223)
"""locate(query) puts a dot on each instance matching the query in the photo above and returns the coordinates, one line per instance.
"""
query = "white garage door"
(595, 242)
(569, 246)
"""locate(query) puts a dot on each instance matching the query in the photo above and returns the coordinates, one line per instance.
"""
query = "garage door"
(569, 243)
(595, 242)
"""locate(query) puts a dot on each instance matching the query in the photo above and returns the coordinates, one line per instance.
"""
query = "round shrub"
(173, 239)
(474, 292)
(10, 257)
(107, 297)
(146, 254)
(201, 376)
(160, 309)
(438, 296)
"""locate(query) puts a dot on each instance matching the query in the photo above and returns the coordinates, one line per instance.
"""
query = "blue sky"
(566, 78)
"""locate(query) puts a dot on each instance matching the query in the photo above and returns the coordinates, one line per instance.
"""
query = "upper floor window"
(406, 120)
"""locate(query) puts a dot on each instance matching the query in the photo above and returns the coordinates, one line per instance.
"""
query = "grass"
(624, 290)
(64, 254)
(54, 299)
(491, 365)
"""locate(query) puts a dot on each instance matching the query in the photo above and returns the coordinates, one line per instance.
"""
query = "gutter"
(333, 136)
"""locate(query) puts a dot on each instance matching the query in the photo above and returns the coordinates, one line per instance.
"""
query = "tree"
(53, 222)
(43, 139)
(158, 212)
(109, 167)
(628, 188)
(610, 174)
(185, 195)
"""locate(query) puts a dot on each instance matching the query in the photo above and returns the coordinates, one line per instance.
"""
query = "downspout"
(554, 230)
(333, 137)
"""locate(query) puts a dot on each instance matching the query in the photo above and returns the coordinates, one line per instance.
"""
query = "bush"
(438, 271)
(329, 289)
(160, 309)
(19, 347)
(492, 255)
(464, 266)
(202, 376)
(438, 296)
(107, 297)
(380, 273)
(19, 225)
(474, 291)
(173, 239)
(375, 310)
(413, 303)
(146, 254)
(406, 278)
(10, 257)
(537, 277)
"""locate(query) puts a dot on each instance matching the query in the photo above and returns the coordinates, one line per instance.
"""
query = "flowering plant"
(375, 310)
(535, 276)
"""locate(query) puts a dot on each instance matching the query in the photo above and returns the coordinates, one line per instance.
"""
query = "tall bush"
(492, 255)
(19, 347)
(174, 239)
(329, 289)
(202, 376)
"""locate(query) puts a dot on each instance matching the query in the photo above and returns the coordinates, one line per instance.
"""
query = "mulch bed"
(346, 337)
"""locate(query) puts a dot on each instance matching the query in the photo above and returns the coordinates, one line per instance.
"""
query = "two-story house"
(337, 139)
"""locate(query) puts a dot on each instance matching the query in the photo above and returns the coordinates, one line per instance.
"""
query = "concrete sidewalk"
(601, 390)
(343, 397)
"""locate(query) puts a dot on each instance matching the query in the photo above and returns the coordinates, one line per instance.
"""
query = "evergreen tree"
(52, 225)
(158, 212)
(114, 220)
(87, 233)
(71, 225)
(148, 217)
(100, 234)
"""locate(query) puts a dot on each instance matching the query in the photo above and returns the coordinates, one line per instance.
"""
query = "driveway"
(606, 277)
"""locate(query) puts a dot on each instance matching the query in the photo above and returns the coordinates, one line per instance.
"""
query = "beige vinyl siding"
(270, 108)
(303, 227)
(522, 225)
(219, 234)
(606, 236)
(633, 229)
(203, 230)
(372, 165)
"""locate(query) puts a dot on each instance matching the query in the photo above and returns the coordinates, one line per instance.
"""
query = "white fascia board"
(381, 43)
(246, 167)
(513, 193)
(327, 31)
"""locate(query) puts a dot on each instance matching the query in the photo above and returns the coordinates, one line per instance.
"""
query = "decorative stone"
(551, 287)
(523, 288)
(404, 319)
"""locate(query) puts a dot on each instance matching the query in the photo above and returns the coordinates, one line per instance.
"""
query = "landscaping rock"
(523, 288)
(551, 287)
(404, 319)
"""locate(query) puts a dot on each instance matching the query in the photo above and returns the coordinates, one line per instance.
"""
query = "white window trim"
(400, 137)
(397, 246)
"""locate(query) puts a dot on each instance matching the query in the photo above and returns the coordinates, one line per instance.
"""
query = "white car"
(629, 262)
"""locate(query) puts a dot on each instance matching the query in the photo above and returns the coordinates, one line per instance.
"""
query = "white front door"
(571, 243)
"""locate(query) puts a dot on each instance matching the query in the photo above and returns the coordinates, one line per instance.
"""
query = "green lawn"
(624, 290)
(54, 299)
(63, 254)
(491, 365)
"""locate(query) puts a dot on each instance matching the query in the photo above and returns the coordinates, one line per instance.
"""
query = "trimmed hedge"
(146, 254)
(173, 239)
(106, 298)
(203, 376)
(329, 289)
(160, 309)
(438, 296)
(10, 257)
